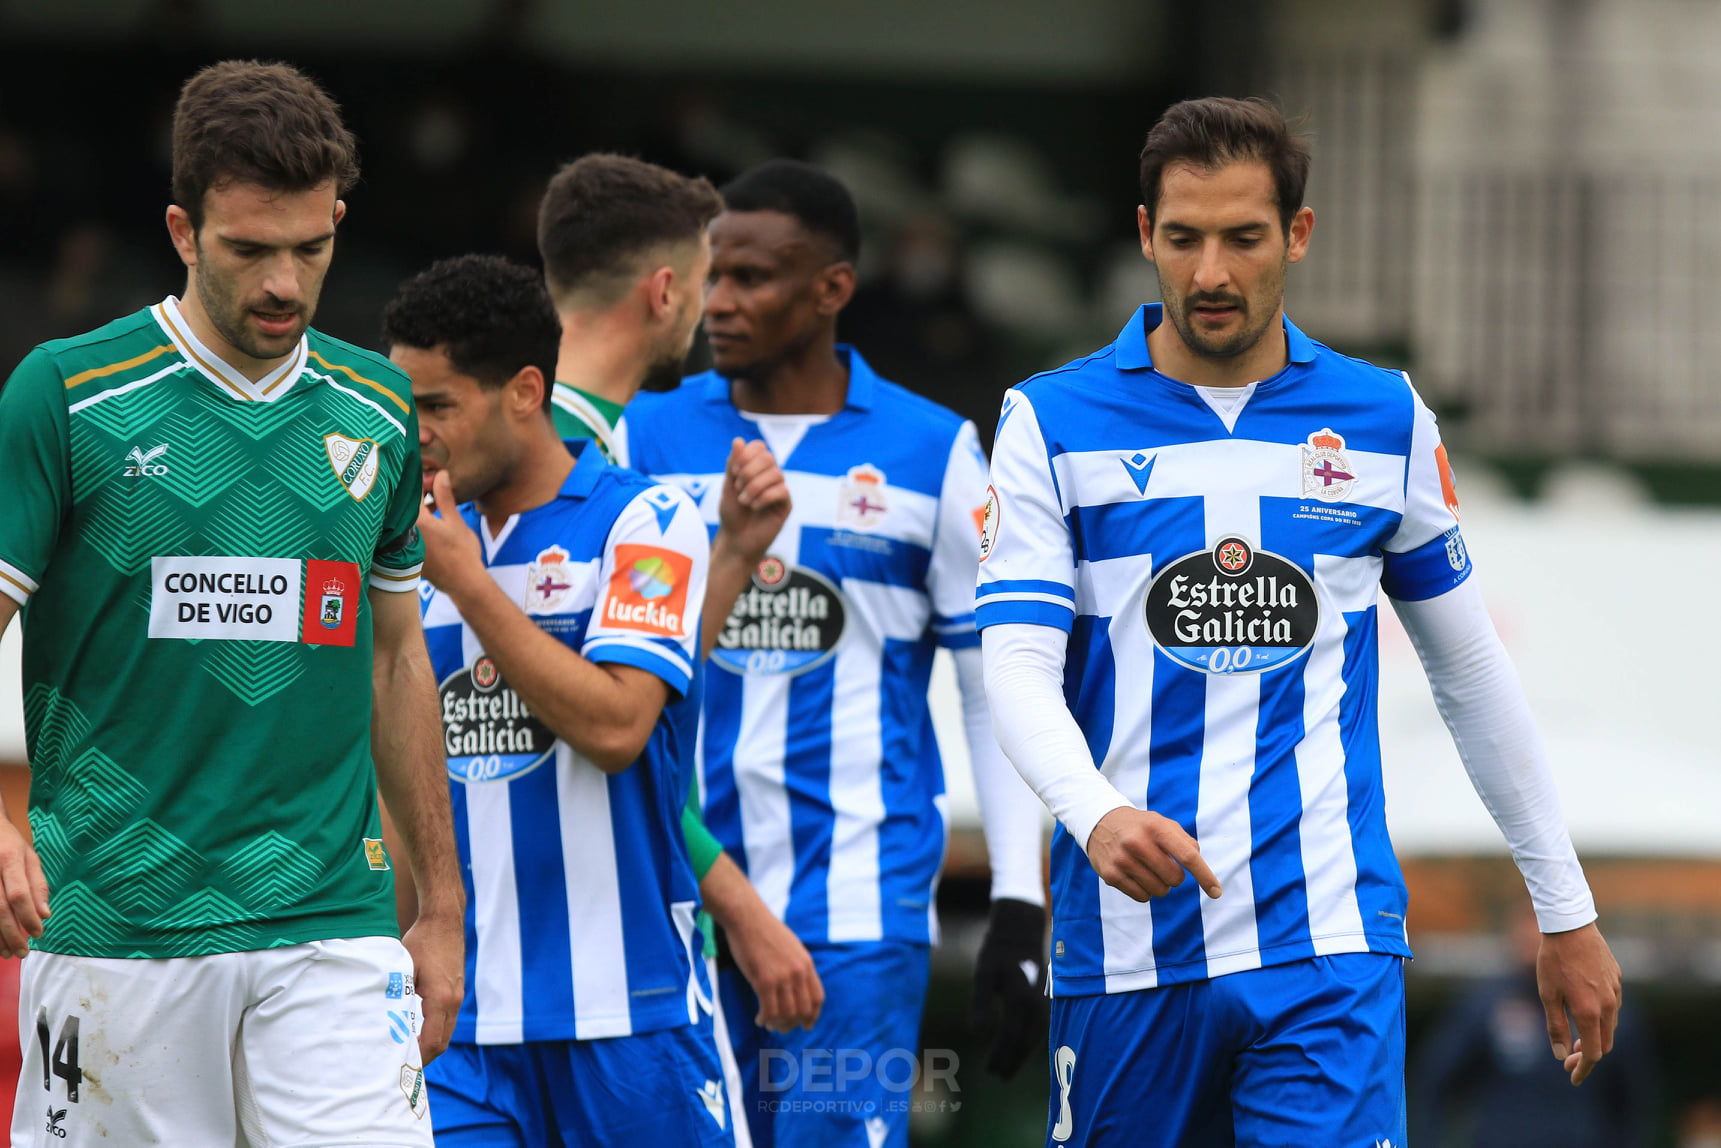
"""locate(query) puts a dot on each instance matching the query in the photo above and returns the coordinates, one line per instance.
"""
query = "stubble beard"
(1268, 295)
(227, 315)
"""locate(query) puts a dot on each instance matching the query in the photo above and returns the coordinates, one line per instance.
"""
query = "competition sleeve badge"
(1327, 473)
(988, 517)
(648, 591)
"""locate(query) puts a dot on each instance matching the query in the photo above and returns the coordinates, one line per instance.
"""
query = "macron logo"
(711, 1095)
(142, 462)
(1140, 468)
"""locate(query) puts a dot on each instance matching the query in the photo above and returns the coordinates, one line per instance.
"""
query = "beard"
(227, 315)
(1256, 314)
(668, 363)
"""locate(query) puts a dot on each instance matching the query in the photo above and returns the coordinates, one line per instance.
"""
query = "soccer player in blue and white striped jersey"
(1184, 546)
(821, 773)
(564, 630)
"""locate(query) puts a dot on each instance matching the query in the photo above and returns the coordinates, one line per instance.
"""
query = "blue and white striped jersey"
(1219, 586)
(580, 897)
(821, 773)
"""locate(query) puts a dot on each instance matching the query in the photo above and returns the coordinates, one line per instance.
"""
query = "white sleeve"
(1027, 559)
(1025, 686)
(1009, 811)
(956, 542)
(1483, 704)
(1425, 557)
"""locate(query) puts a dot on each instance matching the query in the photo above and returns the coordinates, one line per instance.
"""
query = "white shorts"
(307, 1046)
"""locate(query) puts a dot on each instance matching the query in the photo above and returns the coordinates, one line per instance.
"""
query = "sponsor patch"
(232, 598)
(648, 591)
(1232, 610)
(375, 854)
(396, 986)
(1327, 472)
(487, 731)
(989, 523)
(548, 581)
(354, 461)
(331, 603)
(412, 1087)
(787, 621)
(860, 497)
(1448, 488)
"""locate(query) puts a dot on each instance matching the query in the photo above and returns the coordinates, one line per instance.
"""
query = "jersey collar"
(226, 379)
(589, 463)
(863, 381)
(1131, 346)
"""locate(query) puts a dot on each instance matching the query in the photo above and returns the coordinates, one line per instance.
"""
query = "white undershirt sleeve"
(1025, 686)
(1009, 811)
(1484, 707)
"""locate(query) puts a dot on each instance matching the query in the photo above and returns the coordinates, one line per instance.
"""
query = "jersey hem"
(140, 948)
(563, 1027)
(1185, 972)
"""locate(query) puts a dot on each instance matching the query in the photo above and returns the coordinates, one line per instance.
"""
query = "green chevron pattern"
(81, 921)
(255, 671)
(96, 796)
(271, 871)
(218, 464)
(259, 518)
(212, 923)
(53, 846)
(127, 524)
(57, 726)
(128, 417)
(307, 473)
(145, 867)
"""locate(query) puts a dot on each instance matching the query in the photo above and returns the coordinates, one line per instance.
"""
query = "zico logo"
(648, 591)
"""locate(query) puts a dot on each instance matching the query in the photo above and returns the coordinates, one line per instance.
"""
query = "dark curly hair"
(810, 194)
(249, 122)
(490, 317)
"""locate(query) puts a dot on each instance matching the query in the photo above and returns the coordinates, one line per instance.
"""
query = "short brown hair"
(244, 121)
(603, 215)
(1210, 133)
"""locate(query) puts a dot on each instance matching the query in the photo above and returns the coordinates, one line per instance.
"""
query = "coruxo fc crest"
(354, 461)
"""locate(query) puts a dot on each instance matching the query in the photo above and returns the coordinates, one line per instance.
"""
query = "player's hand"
(755, 501)
(1011, 970)
(780, 970)
(438, 949)
(1144, 855)
(453, 556)
(1576, 974)
(26, 890)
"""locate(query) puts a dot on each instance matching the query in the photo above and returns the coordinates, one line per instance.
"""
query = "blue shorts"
(663, 1087)
(1306, 1053)
(850, 1082)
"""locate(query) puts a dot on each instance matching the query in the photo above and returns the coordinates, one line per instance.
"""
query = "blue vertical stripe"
(722, 716)
(1380, 890)
(546, 963)
(911, 840)
(812, 821)
(466, 1023)
(1173, 790)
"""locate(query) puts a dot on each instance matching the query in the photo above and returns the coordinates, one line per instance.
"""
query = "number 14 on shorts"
(63, 1060)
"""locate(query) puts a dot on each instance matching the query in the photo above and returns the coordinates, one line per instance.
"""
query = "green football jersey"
(192, 550)
(582, 414)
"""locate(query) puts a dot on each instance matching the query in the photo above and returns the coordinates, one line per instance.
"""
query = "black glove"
(1012, 971)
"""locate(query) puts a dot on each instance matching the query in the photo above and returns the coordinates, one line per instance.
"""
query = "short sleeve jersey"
(580, 896)
(192, 551)
(820, 769)
(1218, 574)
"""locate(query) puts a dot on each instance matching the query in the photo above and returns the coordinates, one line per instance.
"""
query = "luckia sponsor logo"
(487, 731)
(788, 620)
(1232, 609)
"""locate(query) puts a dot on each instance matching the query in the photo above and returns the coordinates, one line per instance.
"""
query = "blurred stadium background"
(1517, 200)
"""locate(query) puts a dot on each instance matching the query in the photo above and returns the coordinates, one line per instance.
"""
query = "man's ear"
(833, 287)
(1144, 224)
(526, 392)
(659, 297)
(183, 234)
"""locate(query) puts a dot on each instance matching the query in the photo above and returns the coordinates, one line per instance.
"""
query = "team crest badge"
(333, 610)
(354, 461)
(861, 499)
(548, 581)
(1327, 473)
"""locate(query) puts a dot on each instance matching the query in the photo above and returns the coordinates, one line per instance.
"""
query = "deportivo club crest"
(333, 609)
(354, 461)
(860, 502)
(548, 581)
(1327, 473)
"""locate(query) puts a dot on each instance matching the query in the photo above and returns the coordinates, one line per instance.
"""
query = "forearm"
(729, 897)
(1009, 810)
(411, 769)
(581, 701)
(1483, 704)
(1024, 668)
(731, 571)
(703, 849)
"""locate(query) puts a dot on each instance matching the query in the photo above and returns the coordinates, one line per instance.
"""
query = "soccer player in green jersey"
(625, 256)
(210, 527)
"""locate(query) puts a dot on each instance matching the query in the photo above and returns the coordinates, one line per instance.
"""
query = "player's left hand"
(755, 501)
(1011, 970)
(438, 949)
(453, 556)
(1576, 974)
